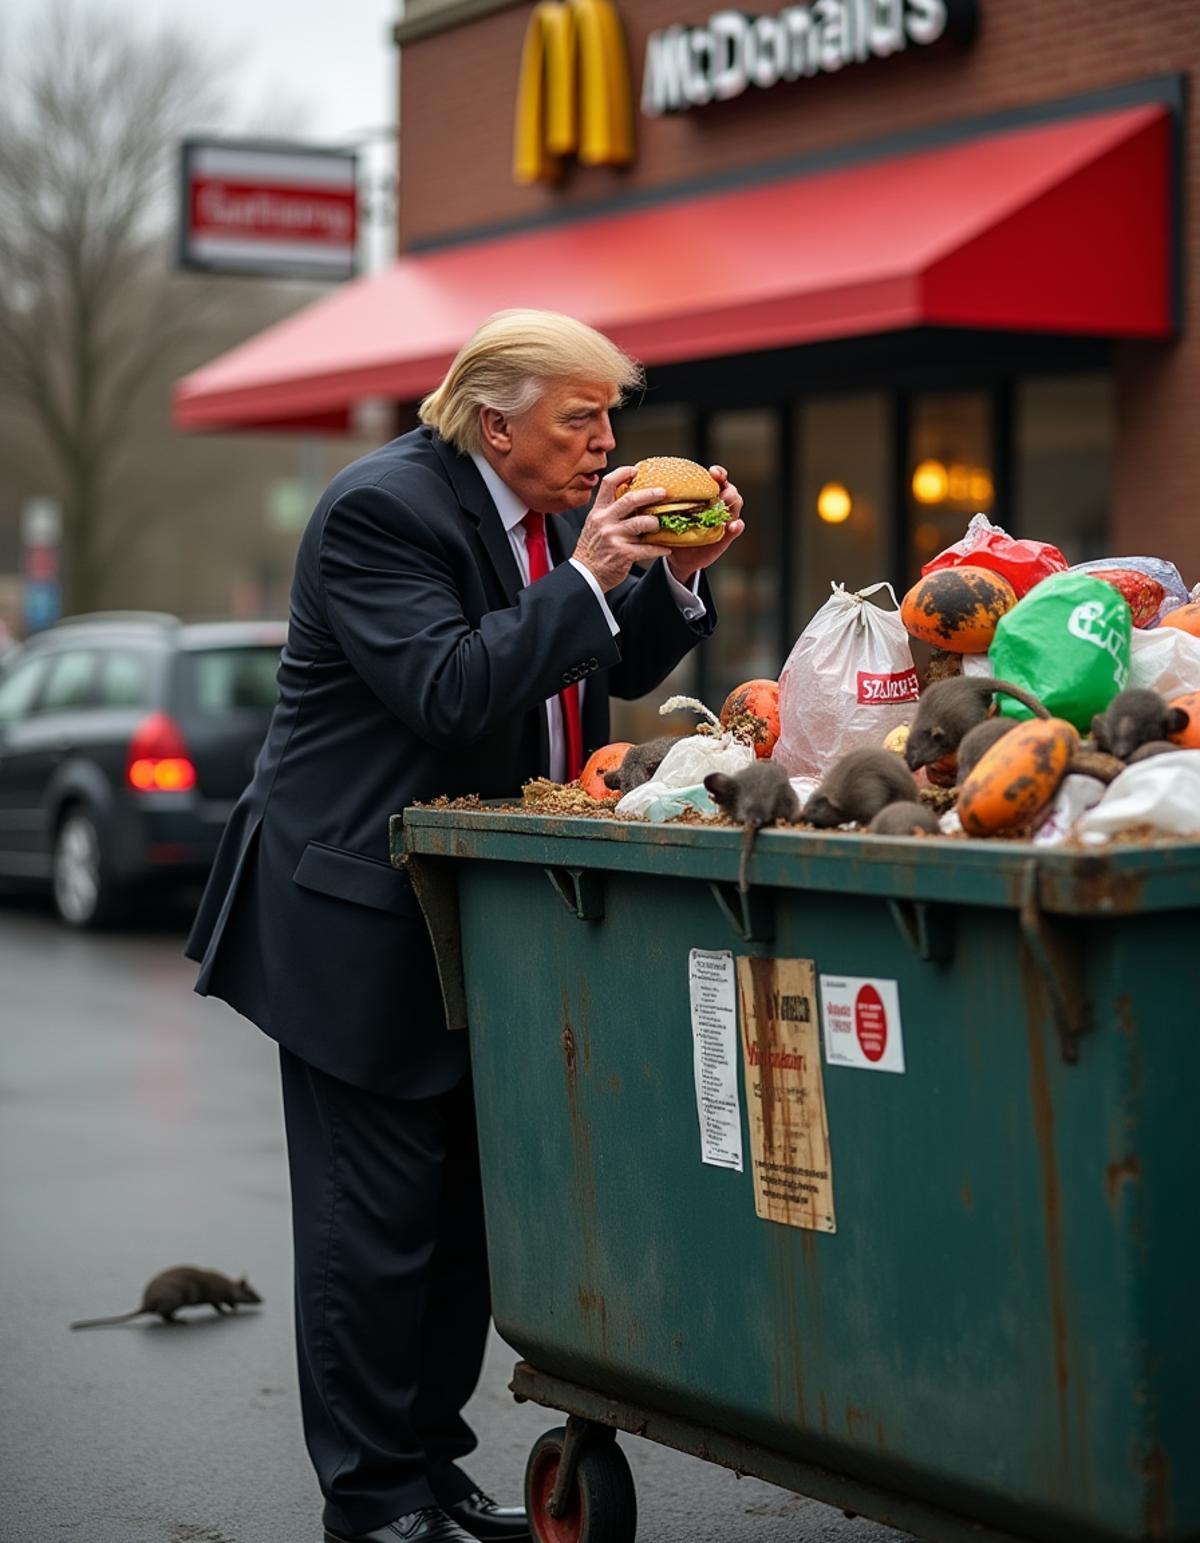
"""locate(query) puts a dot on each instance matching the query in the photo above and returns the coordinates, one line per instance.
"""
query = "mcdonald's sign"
(574, 95)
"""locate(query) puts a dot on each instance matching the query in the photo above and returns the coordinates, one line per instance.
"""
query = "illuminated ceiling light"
(834, 504)
(930, 483)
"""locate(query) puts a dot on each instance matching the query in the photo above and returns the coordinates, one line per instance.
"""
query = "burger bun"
(698, 535)
(686, 482)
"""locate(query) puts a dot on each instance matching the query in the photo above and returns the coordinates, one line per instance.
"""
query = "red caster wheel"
(596, 1502)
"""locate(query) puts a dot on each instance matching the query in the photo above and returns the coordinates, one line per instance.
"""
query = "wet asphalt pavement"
(140, 1127)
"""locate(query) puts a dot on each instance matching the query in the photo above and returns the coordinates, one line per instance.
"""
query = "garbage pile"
(1059, 704)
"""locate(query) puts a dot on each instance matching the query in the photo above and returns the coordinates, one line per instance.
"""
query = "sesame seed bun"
(687, 483)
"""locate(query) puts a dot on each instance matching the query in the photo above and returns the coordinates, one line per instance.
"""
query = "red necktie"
(539, 567)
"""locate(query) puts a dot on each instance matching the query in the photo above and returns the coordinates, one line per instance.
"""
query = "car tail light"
(158, 758)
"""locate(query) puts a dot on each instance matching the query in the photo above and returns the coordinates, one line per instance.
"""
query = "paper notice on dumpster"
(714, 1056)
(785, 1094)
(862, 1023)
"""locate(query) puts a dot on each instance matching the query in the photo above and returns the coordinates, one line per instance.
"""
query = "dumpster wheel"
(594, 1498)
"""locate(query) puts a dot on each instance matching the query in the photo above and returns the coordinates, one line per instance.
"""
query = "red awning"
(1064, 228)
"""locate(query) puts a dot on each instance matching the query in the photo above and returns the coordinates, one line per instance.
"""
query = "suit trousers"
(391, 1284)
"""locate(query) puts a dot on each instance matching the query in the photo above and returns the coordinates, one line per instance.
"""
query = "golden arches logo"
(574, 95)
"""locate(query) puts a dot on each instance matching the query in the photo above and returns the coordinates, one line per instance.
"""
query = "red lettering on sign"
(870, 1023)
(223, 206)
(877, 690)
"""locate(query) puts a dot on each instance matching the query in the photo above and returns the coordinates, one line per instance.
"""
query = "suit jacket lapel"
(477, 503)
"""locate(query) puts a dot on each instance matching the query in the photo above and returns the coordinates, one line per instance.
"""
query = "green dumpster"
(950, 1280)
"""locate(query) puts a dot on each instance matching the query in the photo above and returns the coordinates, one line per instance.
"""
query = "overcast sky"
(328, 65)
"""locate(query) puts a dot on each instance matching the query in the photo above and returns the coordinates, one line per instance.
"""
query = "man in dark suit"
(455, 628)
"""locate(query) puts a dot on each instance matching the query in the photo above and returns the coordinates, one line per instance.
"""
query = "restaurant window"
(950, 471)
(666, 429)
(745, 583)
(1064, 432)
(843, 498)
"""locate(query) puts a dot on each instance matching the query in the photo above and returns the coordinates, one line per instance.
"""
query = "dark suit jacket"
(415, 665)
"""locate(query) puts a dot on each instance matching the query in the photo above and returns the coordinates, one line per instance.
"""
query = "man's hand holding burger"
(662, 507)
(617, 532)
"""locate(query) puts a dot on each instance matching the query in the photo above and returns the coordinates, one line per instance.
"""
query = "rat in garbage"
(760, 794)
(1133, 718)
(185, 1285)
(948, 708)
(858, 786)
(905, 819)
(1151, 748)
(977, 742)
(639, 764)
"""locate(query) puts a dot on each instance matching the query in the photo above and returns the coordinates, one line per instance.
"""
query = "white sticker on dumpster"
(713, 995)
(861, 1019)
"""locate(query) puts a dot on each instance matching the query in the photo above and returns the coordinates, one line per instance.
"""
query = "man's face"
(557, 451)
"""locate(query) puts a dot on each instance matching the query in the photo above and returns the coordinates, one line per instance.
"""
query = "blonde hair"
(506, 364)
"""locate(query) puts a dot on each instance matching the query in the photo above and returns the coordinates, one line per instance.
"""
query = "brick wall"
(458, 99)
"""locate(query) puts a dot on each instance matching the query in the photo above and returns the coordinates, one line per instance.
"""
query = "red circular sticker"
(870, 1023)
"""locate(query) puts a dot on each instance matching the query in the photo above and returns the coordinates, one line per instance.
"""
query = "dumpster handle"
(926, 928)
(751, 915)
(435, 885)
(581, 890)
(1054, 960)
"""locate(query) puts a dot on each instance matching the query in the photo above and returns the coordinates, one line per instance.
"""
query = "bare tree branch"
(88, 306)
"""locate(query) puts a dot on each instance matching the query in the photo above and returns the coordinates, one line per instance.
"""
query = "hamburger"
(692, 514)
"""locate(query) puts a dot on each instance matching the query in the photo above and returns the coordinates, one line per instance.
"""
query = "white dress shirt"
(512, 512)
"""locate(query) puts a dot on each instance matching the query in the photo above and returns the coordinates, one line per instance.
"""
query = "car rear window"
(125, 680)
(225, 679)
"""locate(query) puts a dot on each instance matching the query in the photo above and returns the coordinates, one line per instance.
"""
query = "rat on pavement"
(858, 786)
(758, 795)
(185, 1285)
(948, 708)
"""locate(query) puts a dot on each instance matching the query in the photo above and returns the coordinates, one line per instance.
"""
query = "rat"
(905, 819)
(184, 1286)
(1151, 748)
(1134, 718)
(858, 786)
(948, 708)
(758, 795)
(639, 764)
(977, 742)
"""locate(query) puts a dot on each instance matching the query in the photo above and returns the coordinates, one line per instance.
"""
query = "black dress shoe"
(489, 1522)
(429, 1525)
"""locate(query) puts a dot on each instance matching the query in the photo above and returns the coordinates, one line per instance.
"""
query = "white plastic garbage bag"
(1163, 792)
(686, 765)
(849, 680)
(1166, 660)
(666, 803)
(1075, 796)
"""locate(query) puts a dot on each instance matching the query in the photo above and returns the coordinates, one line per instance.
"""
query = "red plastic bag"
(984, 545)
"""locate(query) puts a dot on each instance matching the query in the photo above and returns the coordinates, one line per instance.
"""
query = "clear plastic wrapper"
(1175, 591)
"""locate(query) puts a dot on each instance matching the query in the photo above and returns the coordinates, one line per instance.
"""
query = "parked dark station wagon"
(125, 739)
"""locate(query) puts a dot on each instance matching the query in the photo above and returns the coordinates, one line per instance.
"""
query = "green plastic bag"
(1067, 641)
